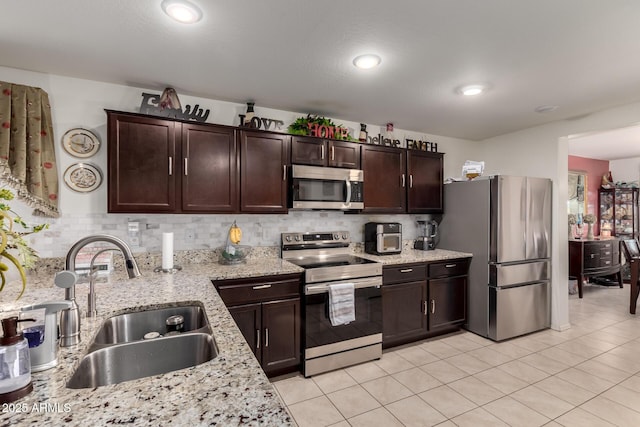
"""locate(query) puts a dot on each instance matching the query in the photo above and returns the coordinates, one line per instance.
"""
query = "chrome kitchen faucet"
(70, 318)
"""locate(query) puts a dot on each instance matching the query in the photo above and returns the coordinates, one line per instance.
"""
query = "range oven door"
(322, 338)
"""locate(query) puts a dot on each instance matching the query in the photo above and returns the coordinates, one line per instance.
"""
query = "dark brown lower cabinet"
(447, 302)
(423, 300)
(272, 332)
(403, 310)
(267, 312)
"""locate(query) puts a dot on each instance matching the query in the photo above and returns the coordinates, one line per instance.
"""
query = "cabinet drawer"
(606, 262)
(457, 267)
(404, 273)
(606, 253)
(606, 246)
(244, 291)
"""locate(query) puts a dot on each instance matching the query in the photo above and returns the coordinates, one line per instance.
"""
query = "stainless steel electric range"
(327, 260)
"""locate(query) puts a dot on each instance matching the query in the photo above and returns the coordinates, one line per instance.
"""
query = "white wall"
(543, 151)
(625, 170)
(81, 103)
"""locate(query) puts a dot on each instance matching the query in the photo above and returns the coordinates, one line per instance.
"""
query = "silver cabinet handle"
(402, 178)
(433, 306)
(322, 152)
(449, 265)
(266, 337)
(257, 339)
(262, 287)
(284, 172)
(406, 270)
(170, 165)
(424, 307)
(411, 181)
(592, 256)
(333, 153)
(186, 166)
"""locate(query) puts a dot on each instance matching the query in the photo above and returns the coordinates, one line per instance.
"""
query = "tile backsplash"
(205, 231)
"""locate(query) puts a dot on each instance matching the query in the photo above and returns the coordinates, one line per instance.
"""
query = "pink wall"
(594, 169)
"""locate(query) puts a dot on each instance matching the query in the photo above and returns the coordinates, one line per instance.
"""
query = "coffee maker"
(429, 238)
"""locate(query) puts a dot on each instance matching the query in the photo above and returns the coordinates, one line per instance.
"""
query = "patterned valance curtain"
(27, 154)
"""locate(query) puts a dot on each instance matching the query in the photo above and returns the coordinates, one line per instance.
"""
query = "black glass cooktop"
(329, 261)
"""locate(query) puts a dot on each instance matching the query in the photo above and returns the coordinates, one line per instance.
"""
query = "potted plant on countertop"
(15, 252)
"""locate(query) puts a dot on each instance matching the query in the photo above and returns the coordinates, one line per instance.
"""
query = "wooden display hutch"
(618, 214)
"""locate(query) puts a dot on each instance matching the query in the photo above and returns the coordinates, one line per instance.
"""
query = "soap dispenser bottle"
(15, 365)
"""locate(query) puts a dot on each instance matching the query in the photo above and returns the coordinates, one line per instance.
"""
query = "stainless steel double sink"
(120, 353)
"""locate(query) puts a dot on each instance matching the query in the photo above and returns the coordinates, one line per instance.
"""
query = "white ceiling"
(295, 55)
(613, 144)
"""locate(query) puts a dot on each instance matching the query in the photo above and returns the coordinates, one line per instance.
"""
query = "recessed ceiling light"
(472, 90)
(545, 108)
(366, 62)
(182, 11)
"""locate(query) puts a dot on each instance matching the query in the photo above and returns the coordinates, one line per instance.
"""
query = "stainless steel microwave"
(314, 187)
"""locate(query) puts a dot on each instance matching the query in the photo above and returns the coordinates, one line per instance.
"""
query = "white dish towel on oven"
(342, 307)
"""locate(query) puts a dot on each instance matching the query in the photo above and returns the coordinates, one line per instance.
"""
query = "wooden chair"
(632, 254)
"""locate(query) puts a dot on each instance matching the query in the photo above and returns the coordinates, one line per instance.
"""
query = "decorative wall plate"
(80, 142)
(83, 177)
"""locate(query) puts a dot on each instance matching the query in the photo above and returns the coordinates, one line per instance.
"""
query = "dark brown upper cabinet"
(163, 165)
(308, 150)
(209, 169)
(141, 164)
(398, 180)
(384, 179)
(424, 182)
(264, 160)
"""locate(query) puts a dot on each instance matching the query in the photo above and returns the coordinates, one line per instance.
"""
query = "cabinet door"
(264, 158)
(403, 315)
(384, 179)
(424, 170)
(592, 255)
(142, 164)
(281, 335)
(343, 154)
(209, 169)
(306, 150)
(447, 302)
(249, 321)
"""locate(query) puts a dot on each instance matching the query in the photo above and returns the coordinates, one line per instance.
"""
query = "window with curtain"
(27, 154)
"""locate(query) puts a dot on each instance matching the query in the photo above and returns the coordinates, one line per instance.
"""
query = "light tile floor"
(588, 375)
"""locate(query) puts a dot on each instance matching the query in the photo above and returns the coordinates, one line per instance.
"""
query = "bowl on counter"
(233, 254)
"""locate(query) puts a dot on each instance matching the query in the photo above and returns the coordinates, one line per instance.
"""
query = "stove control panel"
(317, 239)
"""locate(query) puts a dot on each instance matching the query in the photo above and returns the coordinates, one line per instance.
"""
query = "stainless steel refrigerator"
(505, 222)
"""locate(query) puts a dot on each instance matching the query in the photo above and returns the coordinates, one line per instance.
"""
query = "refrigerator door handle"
(513, 274)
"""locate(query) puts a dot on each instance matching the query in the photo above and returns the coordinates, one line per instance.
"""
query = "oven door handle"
(358, 284)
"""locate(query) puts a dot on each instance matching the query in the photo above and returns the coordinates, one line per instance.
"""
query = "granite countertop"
(408, 256)
(231, 389)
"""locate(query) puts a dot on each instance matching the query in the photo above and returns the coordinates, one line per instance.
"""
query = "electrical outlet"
(133, 232)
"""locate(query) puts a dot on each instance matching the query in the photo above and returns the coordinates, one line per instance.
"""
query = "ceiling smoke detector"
(182, 11)
(367, 61)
